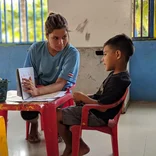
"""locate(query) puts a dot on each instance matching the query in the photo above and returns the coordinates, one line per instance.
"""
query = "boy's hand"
(78, 96)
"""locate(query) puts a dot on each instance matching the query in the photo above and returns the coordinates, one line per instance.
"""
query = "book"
(26, 72)
(22, 96)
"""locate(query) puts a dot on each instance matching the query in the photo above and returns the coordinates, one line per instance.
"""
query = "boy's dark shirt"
(111, 90)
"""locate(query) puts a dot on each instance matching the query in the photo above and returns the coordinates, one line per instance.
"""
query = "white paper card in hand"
(27, 73)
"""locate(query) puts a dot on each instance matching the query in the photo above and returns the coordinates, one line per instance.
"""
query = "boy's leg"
(84, 149)
(32, 117)
(73, 113)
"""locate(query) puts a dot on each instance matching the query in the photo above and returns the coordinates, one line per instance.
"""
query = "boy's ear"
(118, 54)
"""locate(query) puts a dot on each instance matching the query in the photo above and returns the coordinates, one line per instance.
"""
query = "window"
(143, 18)
(22, 21)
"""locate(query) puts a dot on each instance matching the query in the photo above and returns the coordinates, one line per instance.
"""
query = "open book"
(21, 95)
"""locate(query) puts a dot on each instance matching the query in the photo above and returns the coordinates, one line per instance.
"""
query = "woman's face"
(58, 39)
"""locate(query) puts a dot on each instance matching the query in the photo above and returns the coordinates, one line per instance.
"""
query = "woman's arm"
(34, 91)
(57, 86)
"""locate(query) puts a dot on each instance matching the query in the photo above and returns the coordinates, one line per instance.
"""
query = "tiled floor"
(137, 135)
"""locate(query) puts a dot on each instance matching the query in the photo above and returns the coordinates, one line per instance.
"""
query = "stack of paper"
(12, 96)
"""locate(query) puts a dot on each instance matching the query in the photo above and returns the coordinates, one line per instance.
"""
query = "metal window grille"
(22, 21)
(143, 18)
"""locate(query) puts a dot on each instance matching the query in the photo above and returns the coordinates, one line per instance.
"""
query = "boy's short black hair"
(123, 43)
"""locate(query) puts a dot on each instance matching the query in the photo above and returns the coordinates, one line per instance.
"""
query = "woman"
(55, 63)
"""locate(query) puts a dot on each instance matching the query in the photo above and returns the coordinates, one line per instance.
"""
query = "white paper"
(24, 73)
(12, 96)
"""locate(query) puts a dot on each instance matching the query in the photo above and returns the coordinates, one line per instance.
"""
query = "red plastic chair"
(69, 103)
(110, 129)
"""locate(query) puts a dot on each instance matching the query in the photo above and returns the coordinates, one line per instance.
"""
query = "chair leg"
(27, 129)
(76, 135)
(68, 104)
(115, 141)
(71, 102)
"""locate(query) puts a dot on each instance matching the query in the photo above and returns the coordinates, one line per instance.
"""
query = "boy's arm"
(116, 88)
(79, 96)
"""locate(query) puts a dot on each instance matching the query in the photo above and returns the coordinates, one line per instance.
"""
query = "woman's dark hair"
(55, 21)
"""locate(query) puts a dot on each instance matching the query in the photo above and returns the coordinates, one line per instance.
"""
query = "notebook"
(26, 72)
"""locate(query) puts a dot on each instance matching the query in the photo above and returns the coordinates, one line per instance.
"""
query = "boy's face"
(110, 58)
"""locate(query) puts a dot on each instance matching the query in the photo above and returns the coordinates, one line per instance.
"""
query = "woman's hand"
(30, 87)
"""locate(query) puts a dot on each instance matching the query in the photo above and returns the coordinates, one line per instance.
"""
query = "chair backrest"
(113, 122)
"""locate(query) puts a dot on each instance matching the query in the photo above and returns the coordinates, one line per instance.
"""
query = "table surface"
(33, 105)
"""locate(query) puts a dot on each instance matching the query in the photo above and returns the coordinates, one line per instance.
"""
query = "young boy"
(117, 52)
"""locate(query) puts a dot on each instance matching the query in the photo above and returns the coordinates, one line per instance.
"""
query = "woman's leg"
(32, 117)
